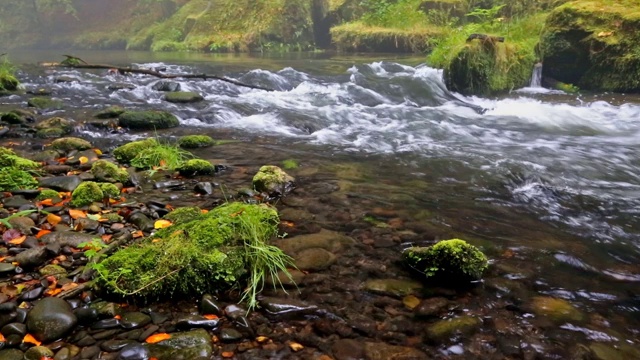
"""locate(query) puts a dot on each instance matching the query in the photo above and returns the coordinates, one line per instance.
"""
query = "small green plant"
(290, 164)
(22, 213)
(92, 248)
(161, 157)
(8, 80)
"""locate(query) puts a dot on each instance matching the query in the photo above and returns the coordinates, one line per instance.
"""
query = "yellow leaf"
(157, 338)
(31, 340)
(53, 219)
(19, 240)
(605, 33)
(83, 160)
(97, 151)
(161, 224)
(295, 346)
(76, 214)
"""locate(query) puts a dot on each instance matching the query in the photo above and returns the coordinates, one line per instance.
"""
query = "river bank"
(382, 166)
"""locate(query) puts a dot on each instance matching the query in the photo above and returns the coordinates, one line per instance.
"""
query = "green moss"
(87, 193)
(290, 164)
(110, 191)
(8, 158)
(453, 259)
(594, 44)
(67, 144)
(15, 179)
(209, 253)
(195, 141)
(111, 112)
(196, 167)
(127, 152)
(183, 215)
(8, 80)
(183, 97)
(48, 194)
(51, 133)
(148, 120)
(44, 103)
(361, 37)
(104, 170)
(272, 179)
(112, 217)
(444, 329)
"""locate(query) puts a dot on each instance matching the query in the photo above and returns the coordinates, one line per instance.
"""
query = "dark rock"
(32, 257)
(89, 352)
(11, 354)
(120, 86)
(57, 169)
(134, 320)
(66, 238)
(86, 315)
(196, 321)
(66, 79)
(209, 305)
(189, 345)
(431, 307)
(6, 267)
(148, 120)
(15, 201)
(393, 287)
(204, 188)
(287, 308)
(14, 328)
(87, 340)
(134, 352)
(88, 224)
(166, 86)
(148, 332)
(61, 183)
(32, 294)
(230, 335)
(115, 345)
(171, 184)
(106, 324)
(8, 307)
(348, 349)
(158, 318)
(38, 353)
(22, 224)
(106, 334)
(50, 319)
(142, 221)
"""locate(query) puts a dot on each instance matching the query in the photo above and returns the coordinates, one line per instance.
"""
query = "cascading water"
(536, 76)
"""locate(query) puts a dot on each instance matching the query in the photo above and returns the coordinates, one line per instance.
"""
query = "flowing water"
(548, 184)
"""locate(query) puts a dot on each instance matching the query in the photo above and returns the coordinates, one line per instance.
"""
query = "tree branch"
(75, 62)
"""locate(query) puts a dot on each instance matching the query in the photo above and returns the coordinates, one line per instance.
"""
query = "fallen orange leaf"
(227, 354)
(169, 207)
(138, 234)
(2, 339)
(53, 219)
(53, 292)
(118, 317)
(76, 214)
(155, 240)
(237, 213)
(31, 340)
(18, 240)
(106, 237)
(42, 233)
(83, 160)
(161, 224)
(62, 160)
(203, 211)
(69, 286)
(163, 163)
(157, 338)
(210, 317)
(97, 151)
(45, 202)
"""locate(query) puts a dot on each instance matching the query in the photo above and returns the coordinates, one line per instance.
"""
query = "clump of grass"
(8, 80)
(161, 157)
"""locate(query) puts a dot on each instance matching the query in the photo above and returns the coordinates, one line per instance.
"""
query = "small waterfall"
(536, 76)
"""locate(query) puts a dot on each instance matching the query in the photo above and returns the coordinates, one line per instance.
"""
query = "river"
(546, 183)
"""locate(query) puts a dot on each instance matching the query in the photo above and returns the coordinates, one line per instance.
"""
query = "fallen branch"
(75, 62)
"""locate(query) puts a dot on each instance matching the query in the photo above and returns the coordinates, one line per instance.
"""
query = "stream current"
(547, 183)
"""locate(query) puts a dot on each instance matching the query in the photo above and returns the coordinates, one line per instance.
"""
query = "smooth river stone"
(50, 319)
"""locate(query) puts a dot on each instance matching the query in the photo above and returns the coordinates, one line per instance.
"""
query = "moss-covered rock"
(12, 178)
(558, 310)
(48, 194)
(127, 152)
(53, 127)
(444, 329)
(8, 158)
(8, 82)
(594, 44)
(110, 191)
(183, 97)
(104, 170)
(70, 143)
(204, 254)
(87, 193)
(148, 120)
(195, 141)
(196, 167)
(273, 180)
(454, 260)
(486, 66)
(45, 103)
(17, 117)
(111, 112)
(183, 214)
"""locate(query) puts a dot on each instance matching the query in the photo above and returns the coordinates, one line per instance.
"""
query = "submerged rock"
(44, 103)
(110, 113)
(183, 97)
(393, 287)
(557, 310)
(163, 85)
(148, 120)
(444, 329)
(67, 144)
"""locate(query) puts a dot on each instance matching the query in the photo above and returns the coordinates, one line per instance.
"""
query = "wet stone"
(195, 321)
(347, 349)
(443, 329)
(66, 238)
(115, 345)
(11, 354)
(14, 328)
(431, 307)
(32, 294)
(148, 332)
(38, 353)
(314, 259)
(107, 309)
(158, 318)
(106, 324)
(86, 341)
(134, 320)
(188, 345)
(134, 352)
(209, 305)
(107, 334)
(7, 307)
(15, 201)
(557, 310)
(88, 224)
(63, 354)
(393, 287)
(61, 183)
(32, 257)
(89, 352)
(142, 221)
(289, 308)
(230, 335)
(50, 319)
(6, 267)
(204, 188)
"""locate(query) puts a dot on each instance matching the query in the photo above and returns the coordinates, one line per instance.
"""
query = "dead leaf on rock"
(605, 33)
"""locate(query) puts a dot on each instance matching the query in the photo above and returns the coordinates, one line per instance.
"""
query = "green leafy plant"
(92, 248)
(161, 157)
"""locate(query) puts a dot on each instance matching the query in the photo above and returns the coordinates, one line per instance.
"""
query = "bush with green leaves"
(200, 253)
(453, 260)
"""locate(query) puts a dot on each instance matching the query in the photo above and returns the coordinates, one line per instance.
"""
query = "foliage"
(127, 152)
(453, 259)
(92, 248)
(358, 36)
(8, 80)
(209, 252)
(12, 178)
(160, 157)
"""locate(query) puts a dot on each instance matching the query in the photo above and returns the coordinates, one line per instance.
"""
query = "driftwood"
(75, 62)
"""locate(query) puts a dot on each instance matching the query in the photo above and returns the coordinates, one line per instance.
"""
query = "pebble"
(134, 320)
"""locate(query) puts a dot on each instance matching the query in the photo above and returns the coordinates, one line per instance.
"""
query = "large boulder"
(594, 44)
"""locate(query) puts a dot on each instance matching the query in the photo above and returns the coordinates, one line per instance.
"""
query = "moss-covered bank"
(594, 44)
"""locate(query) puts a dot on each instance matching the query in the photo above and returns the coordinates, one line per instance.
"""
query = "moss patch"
(195, 141)
(196, 167)
(70, 143)
(45, 103)
(453, 259)
(12, 178)
(183, 97)
(361, 37)
(148, 120)
(127, 152)
(104, 170)
(87, 193)
(594, 44)
(8, 158)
